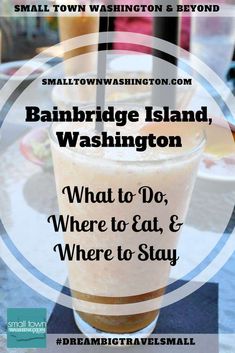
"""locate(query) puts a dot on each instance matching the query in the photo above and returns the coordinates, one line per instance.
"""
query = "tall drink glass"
(123, 282)
(73, 27)
(213, 39)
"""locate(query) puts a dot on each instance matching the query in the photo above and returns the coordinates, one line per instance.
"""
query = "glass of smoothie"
(128, 284)
(74, 27)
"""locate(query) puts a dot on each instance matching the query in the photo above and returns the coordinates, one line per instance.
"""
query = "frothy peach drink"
(171, 171)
